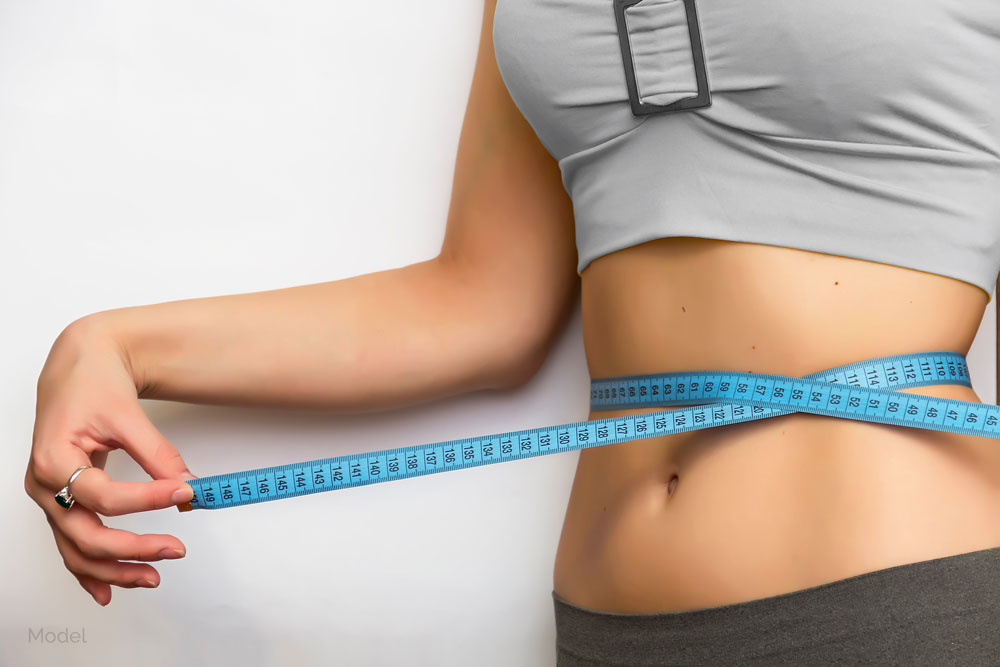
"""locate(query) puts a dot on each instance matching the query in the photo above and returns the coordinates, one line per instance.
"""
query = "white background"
(153, 151)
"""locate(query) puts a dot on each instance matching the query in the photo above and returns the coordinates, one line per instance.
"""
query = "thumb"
(150, 448)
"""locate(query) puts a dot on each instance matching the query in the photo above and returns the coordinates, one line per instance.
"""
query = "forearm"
(373, 341)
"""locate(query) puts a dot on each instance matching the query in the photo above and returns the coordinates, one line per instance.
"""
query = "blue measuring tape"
(863, 391)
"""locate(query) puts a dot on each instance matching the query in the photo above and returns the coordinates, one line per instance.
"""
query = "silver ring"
(65, 496)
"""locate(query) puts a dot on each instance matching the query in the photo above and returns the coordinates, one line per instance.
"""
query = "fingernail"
(147, 583)
(171, 553)
(182, 495)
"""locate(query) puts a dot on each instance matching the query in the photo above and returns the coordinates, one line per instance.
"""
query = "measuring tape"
(863, 391)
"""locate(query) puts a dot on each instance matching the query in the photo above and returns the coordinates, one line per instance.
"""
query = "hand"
(87, 405)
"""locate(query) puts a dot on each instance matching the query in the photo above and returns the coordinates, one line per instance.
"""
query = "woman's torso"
(778, 504)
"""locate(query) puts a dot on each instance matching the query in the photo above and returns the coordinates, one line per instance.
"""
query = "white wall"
(152, 151)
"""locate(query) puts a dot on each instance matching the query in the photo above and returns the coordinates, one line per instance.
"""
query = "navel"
(671, 485)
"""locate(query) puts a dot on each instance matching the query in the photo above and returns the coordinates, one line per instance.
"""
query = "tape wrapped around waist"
(863, 391)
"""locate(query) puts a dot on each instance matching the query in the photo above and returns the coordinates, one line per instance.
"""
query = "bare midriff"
(746, 511)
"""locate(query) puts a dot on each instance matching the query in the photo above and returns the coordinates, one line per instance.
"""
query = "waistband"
(931, 597)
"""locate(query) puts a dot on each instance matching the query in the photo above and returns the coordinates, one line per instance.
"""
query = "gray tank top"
(862, 128)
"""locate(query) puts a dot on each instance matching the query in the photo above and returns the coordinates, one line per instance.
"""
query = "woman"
(800, 539)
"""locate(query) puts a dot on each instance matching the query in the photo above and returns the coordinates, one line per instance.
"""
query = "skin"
(751, 510)
(665, 524)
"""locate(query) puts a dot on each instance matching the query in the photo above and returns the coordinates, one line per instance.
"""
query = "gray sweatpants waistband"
(944, 611)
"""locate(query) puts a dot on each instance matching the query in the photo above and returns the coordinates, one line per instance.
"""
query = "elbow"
(518, 365)
(518, 323)
(521, 352)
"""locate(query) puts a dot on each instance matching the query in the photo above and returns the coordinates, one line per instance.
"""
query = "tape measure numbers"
(864, 391)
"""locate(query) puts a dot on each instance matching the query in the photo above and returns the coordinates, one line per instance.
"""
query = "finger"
(100, 591)
(54, 474)
(95, 540)
(150, 448)
(95, 490)
(109, 571)
(99, 459)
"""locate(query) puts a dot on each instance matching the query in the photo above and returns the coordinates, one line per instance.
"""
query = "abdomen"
(783, 503)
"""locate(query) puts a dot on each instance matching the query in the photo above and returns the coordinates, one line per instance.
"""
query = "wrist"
(107, 329)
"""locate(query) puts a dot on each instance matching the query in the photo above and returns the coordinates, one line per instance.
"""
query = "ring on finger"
(65, 495)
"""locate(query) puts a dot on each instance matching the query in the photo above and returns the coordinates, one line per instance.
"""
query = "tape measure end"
(184, 507)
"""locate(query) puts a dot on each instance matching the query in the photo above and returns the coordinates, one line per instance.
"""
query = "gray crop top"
(863, 128)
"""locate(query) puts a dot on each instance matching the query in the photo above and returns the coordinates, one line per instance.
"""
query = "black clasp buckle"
(640, 108)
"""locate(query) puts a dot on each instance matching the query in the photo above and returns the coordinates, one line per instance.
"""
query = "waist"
(801, 450)
(691, 304)
(738, 511)
(744, 511)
